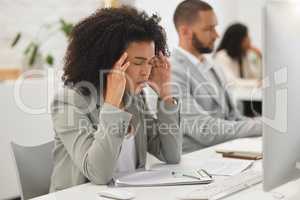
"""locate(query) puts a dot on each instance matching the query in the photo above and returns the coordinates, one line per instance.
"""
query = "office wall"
(28, 16)
(251, 13)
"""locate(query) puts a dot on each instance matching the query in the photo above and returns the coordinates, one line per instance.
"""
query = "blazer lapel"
(200, 77)
(227, 94)
(137, 123)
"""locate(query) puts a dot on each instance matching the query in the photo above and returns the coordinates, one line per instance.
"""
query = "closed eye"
(138, 62)
(142, 61)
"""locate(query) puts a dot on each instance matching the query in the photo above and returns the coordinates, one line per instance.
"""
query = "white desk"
(89, 191)
(246, 94)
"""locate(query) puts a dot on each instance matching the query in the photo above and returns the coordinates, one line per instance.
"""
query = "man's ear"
(185, 32)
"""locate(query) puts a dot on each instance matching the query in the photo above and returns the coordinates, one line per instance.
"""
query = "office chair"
(33, 167)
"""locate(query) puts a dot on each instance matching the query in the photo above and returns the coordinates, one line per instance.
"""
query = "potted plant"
(32, 52)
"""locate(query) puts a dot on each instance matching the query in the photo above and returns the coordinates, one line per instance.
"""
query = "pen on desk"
(186, 175)
(208, 174)
(190, 176)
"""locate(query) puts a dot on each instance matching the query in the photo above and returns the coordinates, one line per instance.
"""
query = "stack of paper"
(226, 167)
(248, 148)
(217, 167)
(158, 178)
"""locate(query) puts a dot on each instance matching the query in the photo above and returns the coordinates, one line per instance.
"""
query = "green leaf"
(33, 55)
(16, 39)
(66, 27)
(28, 48)
(50, 59)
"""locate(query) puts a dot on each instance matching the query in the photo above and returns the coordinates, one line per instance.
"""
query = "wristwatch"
(173, 100)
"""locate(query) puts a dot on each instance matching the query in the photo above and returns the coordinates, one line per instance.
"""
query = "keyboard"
(226, 187)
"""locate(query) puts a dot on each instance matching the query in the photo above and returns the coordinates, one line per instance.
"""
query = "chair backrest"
(34, 168)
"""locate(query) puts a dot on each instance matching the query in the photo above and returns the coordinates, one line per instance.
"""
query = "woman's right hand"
(116, 82)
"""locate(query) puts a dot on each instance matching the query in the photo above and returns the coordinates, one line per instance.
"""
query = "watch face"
(175, 101)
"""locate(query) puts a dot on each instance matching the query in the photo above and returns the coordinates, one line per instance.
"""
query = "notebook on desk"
(247, 148)
(215, 167)
(163, 178)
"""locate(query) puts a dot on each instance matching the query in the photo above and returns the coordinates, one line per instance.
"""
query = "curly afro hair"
(99, 40)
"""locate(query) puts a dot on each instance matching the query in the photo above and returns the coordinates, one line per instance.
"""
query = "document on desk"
(226, 167)
(161, 178)
(216, 167)
(245, 145)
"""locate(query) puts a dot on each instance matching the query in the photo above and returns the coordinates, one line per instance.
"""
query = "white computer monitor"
(281, 99)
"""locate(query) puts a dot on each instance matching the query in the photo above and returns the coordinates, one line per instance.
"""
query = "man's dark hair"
(187, 11)
(232, 41)
(98, 41)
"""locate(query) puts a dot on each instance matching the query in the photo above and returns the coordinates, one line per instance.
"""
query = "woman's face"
(246, 43)
(140, 55)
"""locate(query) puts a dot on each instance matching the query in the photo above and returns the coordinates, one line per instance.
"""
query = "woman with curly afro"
(103, 127)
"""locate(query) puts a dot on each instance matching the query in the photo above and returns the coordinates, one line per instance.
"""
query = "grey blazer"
(208, 116)
(88, 138)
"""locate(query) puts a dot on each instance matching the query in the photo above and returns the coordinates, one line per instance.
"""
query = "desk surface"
(89, 191)
(246, 94)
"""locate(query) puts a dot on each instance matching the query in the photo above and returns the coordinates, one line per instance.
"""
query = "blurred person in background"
(208, 114)
(240, 61)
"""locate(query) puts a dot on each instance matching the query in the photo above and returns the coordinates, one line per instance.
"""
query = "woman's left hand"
(160, 76)
(256, 50)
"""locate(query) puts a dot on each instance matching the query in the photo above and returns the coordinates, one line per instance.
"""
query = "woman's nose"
(144, 73)
(145, 70)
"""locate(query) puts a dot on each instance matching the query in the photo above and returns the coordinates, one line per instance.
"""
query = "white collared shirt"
(127, 159)
(190, 56)
(204, 66)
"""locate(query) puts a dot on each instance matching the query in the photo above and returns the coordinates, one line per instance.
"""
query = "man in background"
(208, 115)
